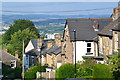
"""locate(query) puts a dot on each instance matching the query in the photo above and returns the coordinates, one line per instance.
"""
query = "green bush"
(85, 69)
(31, 74)
(65, 71)
(10, 73)
(102, 71)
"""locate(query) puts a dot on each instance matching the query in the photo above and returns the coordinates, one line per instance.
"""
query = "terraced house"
(109, 37)
(47, 51)
(86, 40)
(94, 37)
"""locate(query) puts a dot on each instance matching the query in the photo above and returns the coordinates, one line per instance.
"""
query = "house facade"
(109, 37)
(45, 51)
(10, 60)
(85, 38)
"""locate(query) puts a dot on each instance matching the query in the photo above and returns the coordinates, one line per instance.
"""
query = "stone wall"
(46, 75)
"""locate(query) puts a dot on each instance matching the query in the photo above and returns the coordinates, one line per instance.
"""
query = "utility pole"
(75, 50)
(23, 62)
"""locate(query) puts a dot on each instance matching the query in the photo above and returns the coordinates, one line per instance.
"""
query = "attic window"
(13, 63)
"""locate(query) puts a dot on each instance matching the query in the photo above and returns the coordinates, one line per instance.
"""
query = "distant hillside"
(46, 23)
(8, 19)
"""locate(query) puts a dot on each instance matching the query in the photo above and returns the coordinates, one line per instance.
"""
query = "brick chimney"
(116, 12)
(5, 50)
(58, 39)
(50, 44)
(39, 43)
(95, 25)
(16, 54)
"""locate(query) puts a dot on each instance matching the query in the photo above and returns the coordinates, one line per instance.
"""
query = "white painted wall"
(81, 50)
(29, 47)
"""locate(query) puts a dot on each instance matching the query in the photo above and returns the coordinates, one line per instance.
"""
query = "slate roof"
(117, 28)
(33, 52)
(84, 28)
(5, 57)
(54, 49)
(35, 41)
(114, 25)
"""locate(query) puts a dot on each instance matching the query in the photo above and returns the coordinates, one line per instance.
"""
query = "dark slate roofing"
(35, 41)
(108, 30)
(33, 52)
(117, 28)
(59, 50)
(84, 27)
(7, 57)
(52, 49)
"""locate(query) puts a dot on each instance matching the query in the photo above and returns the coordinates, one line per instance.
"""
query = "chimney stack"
(116, 13)
(5, 51)
(95, 25)
(50, 44)
(16, 54)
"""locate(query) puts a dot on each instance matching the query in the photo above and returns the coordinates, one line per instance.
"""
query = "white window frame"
(14, 63)
(89, 47)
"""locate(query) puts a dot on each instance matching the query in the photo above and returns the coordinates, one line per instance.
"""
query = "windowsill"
(89, 54)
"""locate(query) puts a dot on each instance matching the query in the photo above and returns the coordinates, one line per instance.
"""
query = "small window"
(88, 44)
(88, 49)
(13, 63)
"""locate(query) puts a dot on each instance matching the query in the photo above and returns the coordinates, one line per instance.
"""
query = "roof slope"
(7, 57)
(84, 28)
(115, 25)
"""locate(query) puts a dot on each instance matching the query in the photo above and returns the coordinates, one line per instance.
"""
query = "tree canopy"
(17, 40)
(20, 24)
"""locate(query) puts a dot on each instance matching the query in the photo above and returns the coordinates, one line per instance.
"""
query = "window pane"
(88, 44)
(88, 49)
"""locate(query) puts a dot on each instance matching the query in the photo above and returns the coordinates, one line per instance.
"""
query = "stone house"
(10, 60)
(108, 39)
(34, 50)
(42, 51)
(86, 38)
(53, 56)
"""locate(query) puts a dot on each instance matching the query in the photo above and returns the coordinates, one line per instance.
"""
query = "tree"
(115, 63)
(17, 40)
(20, 24)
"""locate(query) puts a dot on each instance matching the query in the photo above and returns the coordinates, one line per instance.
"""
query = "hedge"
(65, 71)
(102, 71)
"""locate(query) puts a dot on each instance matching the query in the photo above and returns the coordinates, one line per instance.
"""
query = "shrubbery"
(31, 74)
(65, 71)
(102, 71)
(10, 73)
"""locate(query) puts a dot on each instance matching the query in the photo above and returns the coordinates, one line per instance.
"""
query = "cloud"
(60, 0)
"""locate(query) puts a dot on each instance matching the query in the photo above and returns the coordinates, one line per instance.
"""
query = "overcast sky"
(59, 0)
